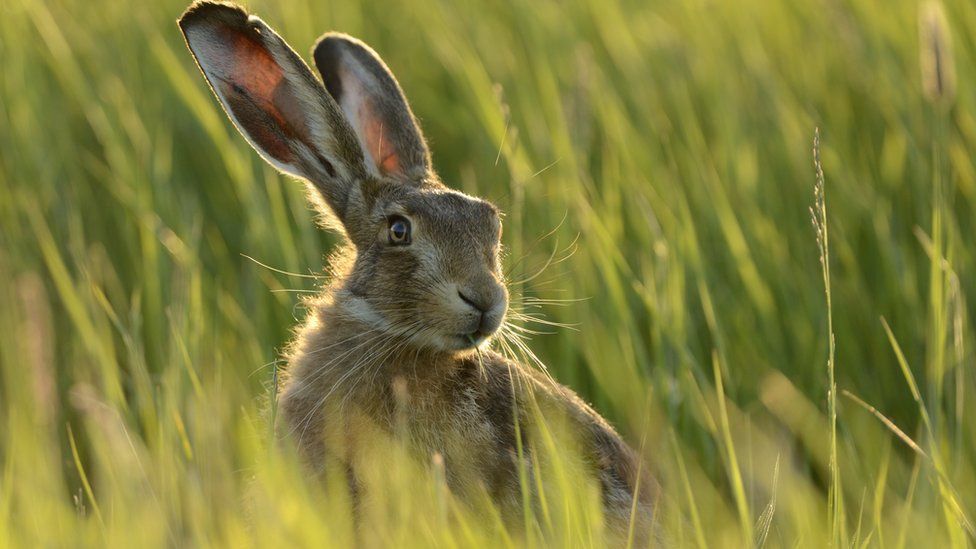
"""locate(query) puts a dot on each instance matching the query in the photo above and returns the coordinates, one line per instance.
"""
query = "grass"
(654, 157)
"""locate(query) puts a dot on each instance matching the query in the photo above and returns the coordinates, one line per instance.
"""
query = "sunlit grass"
(654, 163)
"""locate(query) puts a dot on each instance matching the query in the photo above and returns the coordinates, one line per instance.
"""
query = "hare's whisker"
(281, 271)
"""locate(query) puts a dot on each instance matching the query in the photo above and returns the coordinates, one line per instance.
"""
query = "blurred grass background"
(661, 149)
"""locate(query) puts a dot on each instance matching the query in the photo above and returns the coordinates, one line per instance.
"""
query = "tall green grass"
(660, 150)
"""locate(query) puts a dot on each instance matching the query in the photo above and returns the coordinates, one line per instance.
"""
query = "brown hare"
(397, 343)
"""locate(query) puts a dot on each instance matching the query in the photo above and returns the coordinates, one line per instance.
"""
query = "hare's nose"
(476, 304)
(489, 318)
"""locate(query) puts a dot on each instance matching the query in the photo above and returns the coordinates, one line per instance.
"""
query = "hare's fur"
(396, 347)
(461, 407)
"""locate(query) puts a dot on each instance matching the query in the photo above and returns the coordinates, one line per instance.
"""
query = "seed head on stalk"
(935, 54)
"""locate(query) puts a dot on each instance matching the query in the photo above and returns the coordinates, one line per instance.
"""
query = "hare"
(398, 342)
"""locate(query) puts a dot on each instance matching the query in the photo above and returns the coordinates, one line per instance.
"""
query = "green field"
(655, 160)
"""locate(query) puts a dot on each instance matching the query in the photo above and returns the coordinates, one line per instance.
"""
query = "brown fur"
(396, 346)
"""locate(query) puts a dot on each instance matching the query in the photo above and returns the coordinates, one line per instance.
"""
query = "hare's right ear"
(274, 100)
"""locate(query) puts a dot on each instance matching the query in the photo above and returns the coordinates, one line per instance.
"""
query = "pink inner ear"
(259, 96)
(380, 148)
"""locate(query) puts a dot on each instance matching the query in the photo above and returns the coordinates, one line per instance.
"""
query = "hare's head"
(427, 258)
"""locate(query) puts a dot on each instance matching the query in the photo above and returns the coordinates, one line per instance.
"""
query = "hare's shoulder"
(494, 376)
(550, 396)
(618, 464)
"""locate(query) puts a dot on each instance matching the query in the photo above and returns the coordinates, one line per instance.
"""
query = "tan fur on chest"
(404, 406)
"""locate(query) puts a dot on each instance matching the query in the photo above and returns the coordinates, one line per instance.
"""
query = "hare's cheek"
(492, 258)
(429, 260)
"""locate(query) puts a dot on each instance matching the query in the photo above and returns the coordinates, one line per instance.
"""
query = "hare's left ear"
(375, 107)
(276, 102)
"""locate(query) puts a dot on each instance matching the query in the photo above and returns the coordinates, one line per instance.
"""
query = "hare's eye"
(399, 232)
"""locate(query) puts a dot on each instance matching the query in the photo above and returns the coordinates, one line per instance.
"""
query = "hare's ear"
(274, 99)
(374, 104)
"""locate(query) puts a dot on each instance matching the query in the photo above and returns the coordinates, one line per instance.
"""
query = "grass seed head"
(935, 48)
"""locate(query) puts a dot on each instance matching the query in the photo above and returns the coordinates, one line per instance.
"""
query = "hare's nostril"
(471, 302)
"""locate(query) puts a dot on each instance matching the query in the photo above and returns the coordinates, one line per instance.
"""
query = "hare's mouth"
(472, 339)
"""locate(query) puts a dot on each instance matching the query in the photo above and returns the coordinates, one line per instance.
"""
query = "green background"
(659, 153)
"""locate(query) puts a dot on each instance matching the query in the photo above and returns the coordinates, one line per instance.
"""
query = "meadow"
(792, 384)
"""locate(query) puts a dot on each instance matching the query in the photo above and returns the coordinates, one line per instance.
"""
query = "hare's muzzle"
(485, 309)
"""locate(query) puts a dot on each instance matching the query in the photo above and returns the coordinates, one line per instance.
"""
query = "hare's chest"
(454, 427)
(448, 423)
